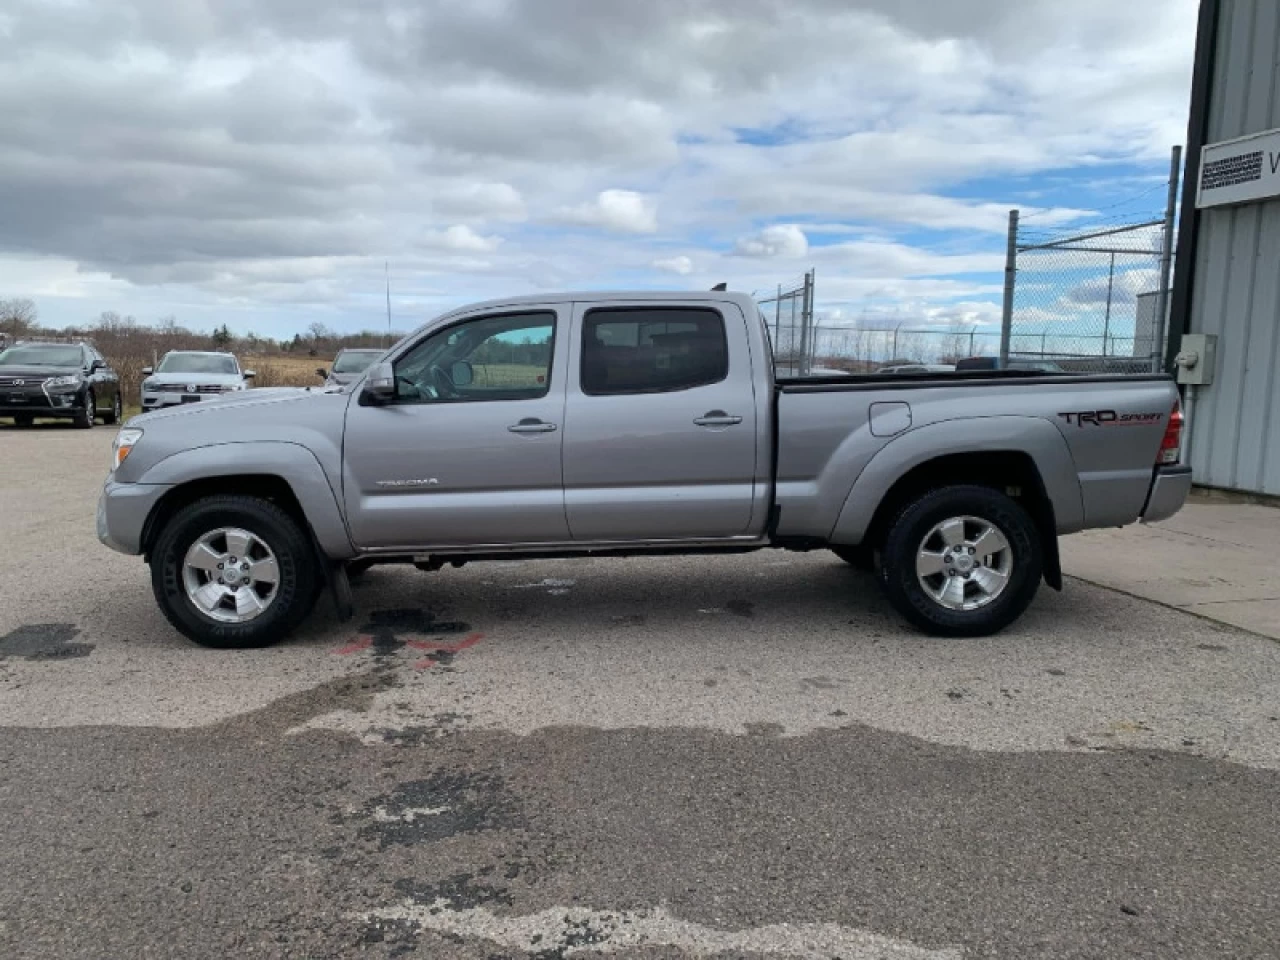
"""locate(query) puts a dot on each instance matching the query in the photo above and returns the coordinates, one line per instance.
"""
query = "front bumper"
(35, 402)
(159, 401)
(1169, 491)
(123, 509)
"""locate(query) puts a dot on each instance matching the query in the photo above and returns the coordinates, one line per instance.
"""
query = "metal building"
(1227, 275)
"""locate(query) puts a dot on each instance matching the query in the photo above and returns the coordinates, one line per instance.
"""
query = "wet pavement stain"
(441, 806)
(43, 641)
(387, 632)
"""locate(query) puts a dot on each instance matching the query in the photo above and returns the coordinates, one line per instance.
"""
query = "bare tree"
(17, 316)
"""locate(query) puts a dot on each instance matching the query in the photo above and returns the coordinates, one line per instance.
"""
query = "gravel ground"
(704, 757)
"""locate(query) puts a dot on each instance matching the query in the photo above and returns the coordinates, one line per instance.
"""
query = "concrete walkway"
(1213, 559)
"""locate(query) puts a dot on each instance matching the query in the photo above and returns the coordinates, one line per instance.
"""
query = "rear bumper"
(123, 510)
(1169, 491)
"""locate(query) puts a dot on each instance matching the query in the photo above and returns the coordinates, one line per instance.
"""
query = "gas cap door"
(890, 418)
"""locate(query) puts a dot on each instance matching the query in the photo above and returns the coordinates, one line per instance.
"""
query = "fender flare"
(1034, 436)
(292, 463)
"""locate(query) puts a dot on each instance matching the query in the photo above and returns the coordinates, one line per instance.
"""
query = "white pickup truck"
(624, 424)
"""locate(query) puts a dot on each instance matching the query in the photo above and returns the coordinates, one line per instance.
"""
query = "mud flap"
(340, 590)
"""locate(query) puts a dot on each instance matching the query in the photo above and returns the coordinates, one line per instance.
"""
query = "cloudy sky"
(256, 162)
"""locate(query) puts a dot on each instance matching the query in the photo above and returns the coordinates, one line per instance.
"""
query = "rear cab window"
(630, 350)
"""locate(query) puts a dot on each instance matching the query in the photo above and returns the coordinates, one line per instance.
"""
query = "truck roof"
(605, 296)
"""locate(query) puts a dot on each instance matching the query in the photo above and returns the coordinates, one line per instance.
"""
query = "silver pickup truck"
(625, 424)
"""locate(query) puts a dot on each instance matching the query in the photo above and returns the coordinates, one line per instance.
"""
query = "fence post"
(806, 320)
(777, 320)
(1166, 257)
(972, 331)
(1010, 271)
(1106, 321)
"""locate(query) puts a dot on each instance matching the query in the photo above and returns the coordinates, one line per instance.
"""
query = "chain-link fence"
(1093, 297)
(788, 312)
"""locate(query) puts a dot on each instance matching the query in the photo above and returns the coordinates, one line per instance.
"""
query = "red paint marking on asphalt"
(470, 640)
(360, 643)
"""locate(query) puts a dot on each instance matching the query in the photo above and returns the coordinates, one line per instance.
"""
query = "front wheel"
(962, 561)
(85, 415)
(23, 420)
(234, 572)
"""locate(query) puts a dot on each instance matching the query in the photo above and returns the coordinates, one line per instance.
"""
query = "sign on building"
(1243, 170)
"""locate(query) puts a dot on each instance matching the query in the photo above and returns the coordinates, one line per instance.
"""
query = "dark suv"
(69, 380)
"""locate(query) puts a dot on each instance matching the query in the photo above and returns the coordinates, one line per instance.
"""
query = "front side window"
(505, 357)
(656, 350)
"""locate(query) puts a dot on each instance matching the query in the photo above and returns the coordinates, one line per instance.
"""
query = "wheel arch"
(286, 474)
(1023, 457)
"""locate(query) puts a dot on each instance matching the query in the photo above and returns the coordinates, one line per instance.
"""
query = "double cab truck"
(632, 424)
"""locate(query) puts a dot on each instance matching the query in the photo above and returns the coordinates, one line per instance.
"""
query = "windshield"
(197, 363)
(42, 355)
(355, 361)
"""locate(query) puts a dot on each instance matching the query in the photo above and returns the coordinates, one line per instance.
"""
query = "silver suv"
(189, 376)
(348, 365)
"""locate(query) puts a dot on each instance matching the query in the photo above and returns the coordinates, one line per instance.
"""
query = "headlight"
(125, 441)
(148, 384)
(56, 382)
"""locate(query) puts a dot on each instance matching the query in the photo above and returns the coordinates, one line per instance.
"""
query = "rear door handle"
(532, 425)
(717, 418)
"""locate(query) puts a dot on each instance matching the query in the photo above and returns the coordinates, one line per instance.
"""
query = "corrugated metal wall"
(1236, 423)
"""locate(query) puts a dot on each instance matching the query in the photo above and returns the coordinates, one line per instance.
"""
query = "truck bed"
(842, 442)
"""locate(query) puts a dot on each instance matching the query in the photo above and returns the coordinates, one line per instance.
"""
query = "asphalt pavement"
(670, 758)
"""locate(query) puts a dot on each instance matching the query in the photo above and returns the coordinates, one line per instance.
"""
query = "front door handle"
(717, 418)
(532, 425)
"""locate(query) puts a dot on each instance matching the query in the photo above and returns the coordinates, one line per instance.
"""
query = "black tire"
(860, 557)
(295, 593)
(114, 417)
(907, 535)
(23, 420)
(85, 415)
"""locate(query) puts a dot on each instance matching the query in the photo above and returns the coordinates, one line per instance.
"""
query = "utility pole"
(386, 266)
(1010, 272)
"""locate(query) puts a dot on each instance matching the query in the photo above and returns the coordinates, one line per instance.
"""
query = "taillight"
(1171, 445)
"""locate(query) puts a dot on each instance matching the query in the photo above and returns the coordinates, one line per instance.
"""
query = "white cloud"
(682, 265)
(784, 240)
(479, 201)
(463, 239)
(284, 152)
(623, 211)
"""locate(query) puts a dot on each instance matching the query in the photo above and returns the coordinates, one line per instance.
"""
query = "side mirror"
(379, 385)
(249, 374)
(97, 365)
(462, 373)
(322, 373)
(148, 371)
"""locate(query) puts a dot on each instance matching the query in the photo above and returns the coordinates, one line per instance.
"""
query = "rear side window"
(656, 350)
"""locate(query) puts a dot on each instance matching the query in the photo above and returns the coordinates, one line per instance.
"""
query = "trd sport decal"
(1109, 418)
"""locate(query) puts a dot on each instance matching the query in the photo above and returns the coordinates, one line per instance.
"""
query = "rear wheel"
(85, 415)
(233, 572)
(24, 420)
(962, 561)
(116, 410)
